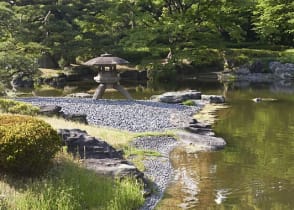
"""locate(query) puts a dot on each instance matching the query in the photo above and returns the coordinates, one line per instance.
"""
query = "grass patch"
(69, 186)
(137, 155)
(115, 137)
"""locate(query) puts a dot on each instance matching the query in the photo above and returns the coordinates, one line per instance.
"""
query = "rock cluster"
(282, 71)
(21, 80)
(213, 99)
(259, 72)
(177, 97)
(200, 136)
(54, 110)
(182, 96)
(97, 155)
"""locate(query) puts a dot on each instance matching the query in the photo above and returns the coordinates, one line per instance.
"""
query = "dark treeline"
(71, 31)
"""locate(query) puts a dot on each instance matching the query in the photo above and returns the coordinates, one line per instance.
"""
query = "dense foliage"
(73, 31)
(26, 144)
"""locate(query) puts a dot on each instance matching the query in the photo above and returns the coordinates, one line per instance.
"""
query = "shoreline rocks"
(98, 155)
(259, 73)
(191, 95)
(177, 97)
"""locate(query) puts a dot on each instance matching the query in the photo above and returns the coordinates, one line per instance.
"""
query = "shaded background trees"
(73, 31)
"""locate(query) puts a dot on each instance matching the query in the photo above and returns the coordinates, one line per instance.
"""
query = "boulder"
(20, 80)
(98, 155)
(257, 67)
(50, 110)
(282, 71)
(78, 142)
(203, 142)
(274, 65)
(81, 118)
(116, 168)
(177, 97)
(216, 99)
(199, 128)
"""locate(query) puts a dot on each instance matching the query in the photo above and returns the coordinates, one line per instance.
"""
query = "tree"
(15, 56)
(274, 21)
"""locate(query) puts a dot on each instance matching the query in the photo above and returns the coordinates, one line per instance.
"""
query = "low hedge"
(16, 107)
(27, 144)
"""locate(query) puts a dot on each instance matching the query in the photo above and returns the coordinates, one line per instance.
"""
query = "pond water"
(255, 170)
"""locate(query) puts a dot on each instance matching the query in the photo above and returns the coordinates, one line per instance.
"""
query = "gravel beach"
(136, 116)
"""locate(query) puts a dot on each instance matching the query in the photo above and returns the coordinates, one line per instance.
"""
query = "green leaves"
(275, 21)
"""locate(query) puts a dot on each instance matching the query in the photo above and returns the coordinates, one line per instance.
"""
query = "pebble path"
(158, 169)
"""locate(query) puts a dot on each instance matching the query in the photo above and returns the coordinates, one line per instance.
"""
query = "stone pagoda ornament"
(107, 76)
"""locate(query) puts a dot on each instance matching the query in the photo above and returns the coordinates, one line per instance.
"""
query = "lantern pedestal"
(109, 79)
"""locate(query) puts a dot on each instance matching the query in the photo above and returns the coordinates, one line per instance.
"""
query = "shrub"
(27, 144)
(16, 107)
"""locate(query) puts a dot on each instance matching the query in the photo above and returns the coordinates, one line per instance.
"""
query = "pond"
(254, 171)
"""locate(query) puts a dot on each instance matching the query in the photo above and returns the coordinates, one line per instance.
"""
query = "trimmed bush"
(27, 144)
(16, 107)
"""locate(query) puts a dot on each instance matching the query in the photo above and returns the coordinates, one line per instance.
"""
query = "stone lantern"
(107, 76)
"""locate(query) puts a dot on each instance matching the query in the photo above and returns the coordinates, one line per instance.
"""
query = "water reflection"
(255, 170)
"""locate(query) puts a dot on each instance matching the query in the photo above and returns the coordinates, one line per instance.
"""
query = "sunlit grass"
(69, 186)
(115, 137)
